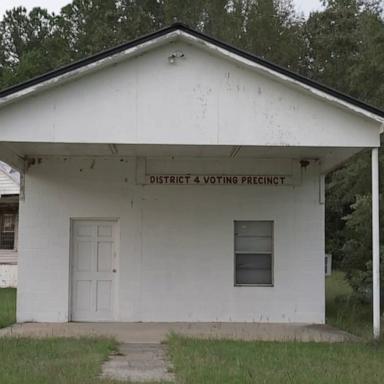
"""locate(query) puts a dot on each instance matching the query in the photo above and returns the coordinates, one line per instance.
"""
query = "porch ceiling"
(330, 157)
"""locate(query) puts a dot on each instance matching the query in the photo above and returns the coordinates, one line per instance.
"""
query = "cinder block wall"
(176, 242)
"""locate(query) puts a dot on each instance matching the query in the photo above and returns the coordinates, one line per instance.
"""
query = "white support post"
(375, 243)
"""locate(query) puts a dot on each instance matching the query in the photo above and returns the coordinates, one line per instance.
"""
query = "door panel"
(83, 255)
(104, 231)
(104, 295)
(104, 256)
(93, 266)
(83, 297)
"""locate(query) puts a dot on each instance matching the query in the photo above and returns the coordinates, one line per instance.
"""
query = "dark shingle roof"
(178, 26)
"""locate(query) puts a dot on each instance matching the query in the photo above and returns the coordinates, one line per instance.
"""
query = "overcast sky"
(54, 5)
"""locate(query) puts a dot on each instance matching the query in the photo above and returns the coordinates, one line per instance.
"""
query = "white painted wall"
(176, 242)
(202, 99)
(8, 275)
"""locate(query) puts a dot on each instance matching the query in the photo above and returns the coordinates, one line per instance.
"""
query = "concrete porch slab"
(158, 332)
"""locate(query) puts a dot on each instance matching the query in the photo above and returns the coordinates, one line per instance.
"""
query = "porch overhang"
(18, 154)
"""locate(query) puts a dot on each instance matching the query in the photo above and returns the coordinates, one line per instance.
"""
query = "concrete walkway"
(139, 363)
(158, 332)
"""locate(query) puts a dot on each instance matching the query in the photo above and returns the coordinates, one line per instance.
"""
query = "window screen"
(7, 230)
(253, 252)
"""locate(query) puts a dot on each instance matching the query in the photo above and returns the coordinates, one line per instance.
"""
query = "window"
(7, 230)
(253, 252)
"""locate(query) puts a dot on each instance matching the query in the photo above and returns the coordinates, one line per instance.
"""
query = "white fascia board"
(141, 48)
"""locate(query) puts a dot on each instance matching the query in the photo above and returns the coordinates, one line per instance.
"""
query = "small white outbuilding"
(177, 178)
(9, 207)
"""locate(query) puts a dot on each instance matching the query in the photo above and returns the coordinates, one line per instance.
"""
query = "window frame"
(15, 231)
(272, 284)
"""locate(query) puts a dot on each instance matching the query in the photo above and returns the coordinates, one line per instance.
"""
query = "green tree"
(30, 44)
(274, 32)
(37, 42)
(345, 50)
(89, 26)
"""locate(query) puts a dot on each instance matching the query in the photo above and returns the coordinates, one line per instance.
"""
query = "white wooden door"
(94, 267)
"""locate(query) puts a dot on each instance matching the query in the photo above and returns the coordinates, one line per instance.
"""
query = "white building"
(176, 178)
(9, 207)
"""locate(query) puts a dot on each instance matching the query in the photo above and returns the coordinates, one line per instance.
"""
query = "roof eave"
(144, 43)
(64, 74)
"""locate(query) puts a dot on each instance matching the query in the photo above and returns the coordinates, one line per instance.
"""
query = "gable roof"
(9, 180)
(90, 62)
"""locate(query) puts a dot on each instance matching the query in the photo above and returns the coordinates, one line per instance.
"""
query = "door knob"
(114, 270)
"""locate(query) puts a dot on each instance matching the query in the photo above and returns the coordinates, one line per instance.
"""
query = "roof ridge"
(185, 28)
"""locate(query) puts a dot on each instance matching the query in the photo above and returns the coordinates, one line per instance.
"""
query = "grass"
(59, 361)
(344, 310)
(7, 306)
(238, 362)
(78, 361)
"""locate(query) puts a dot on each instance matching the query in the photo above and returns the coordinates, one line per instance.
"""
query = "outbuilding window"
(254, 253)
(7, 230)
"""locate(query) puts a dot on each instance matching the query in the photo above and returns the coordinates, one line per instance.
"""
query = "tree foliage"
(341, 46)
(33, 43)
